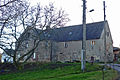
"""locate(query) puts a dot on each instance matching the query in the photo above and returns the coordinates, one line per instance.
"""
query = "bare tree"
(7, 3)
(4, 5)
(11, 27)
(20, 20)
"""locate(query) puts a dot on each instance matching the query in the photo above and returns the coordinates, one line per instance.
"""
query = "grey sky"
(74, 9)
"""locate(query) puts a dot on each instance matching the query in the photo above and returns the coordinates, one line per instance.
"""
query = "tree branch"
(8, 3)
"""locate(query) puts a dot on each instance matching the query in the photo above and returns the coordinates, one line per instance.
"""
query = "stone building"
(65, 43)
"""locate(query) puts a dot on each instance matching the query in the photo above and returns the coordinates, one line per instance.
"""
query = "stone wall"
(71, 51)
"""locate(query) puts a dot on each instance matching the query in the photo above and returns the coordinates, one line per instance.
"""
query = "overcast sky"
(74, 9)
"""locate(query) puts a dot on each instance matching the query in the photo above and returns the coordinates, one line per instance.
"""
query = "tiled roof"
(74, 33)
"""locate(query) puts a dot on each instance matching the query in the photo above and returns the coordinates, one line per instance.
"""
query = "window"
(34, 55)
(92, 44)
(65, 45)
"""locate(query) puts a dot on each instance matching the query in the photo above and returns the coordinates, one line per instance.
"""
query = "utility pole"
(105, 58)
(83, 53)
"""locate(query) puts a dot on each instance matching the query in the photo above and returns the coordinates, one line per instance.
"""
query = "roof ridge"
(80, 25)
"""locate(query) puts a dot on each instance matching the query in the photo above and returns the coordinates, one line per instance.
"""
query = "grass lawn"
(70, 72)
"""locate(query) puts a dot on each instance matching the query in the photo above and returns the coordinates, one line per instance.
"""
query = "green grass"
(71, 72)
(96, 75)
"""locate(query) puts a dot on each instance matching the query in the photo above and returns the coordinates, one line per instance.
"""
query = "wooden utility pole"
(83, 53)
(105, 58)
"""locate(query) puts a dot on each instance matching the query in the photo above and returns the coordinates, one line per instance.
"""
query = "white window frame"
(34, 55)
